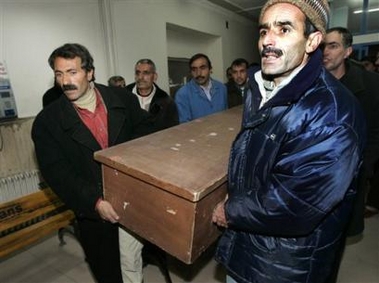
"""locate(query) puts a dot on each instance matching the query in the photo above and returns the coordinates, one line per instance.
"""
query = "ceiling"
(251, 9)
(247, 8)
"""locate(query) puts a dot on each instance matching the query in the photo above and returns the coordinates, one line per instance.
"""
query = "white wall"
(31, 30)
(117, 33)
(339, 17)
(144, 26)
(184, 43)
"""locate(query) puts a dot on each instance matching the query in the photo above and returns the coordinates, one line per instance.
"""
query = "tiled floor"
(47, 262)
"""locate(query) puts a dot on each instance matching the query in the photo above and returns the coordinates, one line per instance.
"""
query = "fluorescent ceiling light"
(369, 11)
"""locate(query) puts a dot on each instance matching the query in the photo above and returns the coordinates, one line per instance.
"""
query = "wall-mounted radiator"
(18, 185)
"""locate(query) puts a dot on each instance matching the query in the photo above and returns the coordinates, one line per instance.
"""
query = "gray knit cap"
(317, 11)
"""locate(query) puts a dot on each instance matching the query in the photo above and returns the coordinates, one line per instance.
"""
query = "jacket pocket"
(253, 164)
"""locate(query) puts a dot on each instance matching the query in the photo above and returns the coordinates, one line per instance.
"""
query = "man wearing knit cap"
(293, 166)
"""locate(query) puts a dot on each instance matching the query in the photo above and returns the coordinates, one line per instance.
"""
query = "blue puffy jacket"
(291, 180)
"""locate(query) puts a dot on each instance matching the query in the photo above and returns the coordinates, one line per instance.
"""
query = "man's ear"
(90, 75)
(313, 41)
(348, 52)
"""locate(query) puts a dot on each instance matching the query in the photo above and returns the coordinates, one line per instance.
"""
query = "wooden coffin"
(165, 185)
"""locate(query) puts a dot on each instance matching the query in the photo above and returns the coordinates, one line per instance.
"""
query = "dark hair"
(198, 56)
(112, 81)
(70, 51)
(239, 62)
(347, 37)
(147, 61)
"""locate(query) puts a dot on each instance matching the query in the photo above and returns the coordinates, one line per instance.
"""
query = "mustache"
(199, 77)
(69, 87)
(271, 50)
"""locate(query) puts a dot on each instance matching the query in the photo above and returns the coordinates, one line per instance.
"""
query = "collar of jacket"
(196, 86)
(159, 93)
(70, 120)
(300, 83)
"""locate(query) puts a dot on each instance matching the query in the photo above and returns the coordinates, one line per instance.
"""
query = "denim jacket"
(192, 103)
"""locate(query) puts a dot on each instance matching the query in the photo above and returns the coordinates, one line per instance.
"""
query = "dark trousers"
(101, 247)
(356, 224)
(333, 276)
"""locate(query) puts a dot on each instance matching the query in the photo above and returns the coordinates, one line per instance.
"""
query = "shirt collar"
(268, 94)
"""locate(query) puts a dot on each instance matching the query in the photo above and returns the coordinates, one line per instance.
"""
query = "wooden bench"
(27, 219)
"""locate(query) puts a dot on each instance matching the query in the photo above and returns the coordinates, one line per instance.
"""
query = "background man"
(291, 171)
(151, 98)
(364, 85)
(87, 118)
(368, 62)
(238, 86)
(164, 115)
(202, 95)
(228, 74)
(116, 81)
